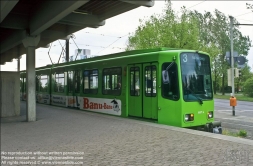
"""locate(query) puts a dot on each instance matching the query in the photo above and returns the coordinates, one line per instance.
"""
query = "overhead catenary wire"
(245, 20)
(49, 54)
(115, 36)
(73, 37)
(234, 16)
(99, 46)
(127, 34)
(192, 6)
(243, 14)
(62, 46)
(119, 37)
(112, 43)
(102, 34)
(75, 43)
(62, 52)
(90, 45)
(196, 4)
(60, 56)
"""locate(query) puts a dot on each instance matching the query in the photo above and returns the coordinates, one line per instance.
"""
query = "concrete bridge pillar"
(30, 43)
(9, 94)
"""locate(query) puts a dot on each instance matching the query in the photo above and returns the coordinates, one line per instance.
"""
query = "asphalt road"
(243, 119)
(243, 108)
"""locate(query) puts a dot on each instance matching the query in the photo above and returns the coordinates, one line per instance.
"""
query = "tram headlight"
(210, 114)
(189, 117)
(186, 117)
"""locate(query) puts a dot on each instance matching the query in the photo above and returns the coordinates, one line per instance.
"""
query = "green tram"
(171, 86)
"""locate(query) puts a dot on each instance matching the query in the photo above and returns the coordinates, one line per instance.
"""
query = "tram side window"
(74, 81)
(86, 81)
(112, 81)
(42, 83)
(24, 85)
(77, 81)
(170, 90)
(94, 79)
(90, 80)
(21, 84)
(135, 81)
(37, 83)
(70, 81)
(59, 82)
(150, 81)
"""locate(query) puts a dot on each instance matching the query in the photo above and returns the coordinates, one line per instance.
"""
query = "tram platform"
(63, 136)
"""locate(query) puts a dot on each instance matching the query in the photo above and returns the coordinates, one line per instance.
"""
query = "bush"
(248, 87)
(242, 133)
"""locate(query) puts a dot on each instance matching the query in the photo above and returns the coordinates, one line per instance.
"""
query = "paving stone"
(106, 140)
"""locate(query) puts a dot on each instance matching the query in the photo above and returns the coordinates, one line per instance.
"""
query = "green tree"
(246, 74)
(215, 39)
(208, 43)
(192, 30)
(167, 30)
(248, 87)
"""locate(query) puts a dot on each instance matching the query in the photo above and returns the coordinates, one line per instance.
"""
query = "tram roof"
(115, 55)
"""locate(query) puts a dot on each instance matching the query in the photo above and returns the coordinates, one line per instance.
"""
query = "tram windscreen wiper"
(193, 94)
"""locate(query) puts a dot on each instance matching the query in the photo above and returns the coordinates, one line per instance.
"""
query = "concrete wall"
(9, 93)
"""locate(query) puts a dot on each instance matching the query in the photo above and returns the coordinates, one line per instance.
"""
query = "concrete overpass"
(26, 25)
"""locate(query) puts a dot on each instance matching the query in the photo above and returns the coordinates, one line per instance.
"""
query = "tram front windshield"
(196, 77)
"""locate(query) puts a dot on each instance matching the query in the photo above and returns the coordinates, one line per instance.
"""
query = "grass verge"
(240, 133)
(238, 97)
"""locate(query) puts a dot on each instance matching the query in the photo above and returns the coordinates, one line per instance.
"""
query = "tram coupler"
(214, 127)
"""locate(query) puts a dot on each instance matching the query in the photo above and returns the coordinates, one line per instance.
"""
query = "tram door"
(142, 97)
(73, 88)
(150, 90)
(135, 90)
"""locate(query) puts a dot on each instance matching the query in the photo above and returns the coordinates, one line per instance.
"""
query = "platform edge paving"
(184, 130)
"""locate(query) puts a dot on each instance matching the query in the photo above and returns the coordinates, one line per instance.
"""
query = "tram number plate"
(200, 112)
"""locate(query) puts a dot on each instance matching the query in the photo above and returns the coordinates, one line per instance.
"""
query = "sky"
(113, 36)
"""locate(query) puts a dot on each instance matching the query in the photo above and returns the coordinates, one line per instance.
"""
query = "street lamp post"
(232, 61)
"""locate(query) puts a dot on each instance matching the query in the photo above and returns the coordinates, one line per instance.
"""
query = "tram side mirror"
(165, 75)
